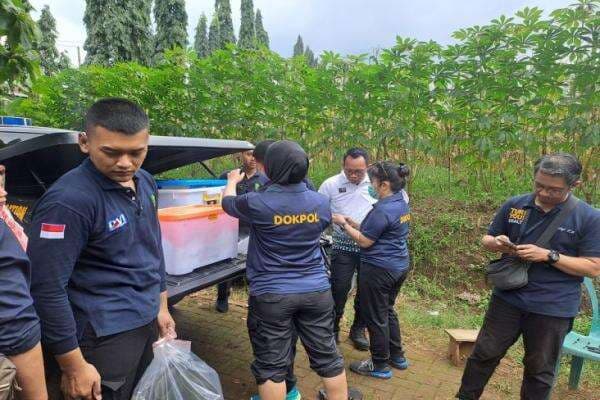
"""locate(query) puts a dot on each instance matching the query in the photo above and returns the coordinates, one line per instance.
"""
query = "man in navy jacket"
(98, 278)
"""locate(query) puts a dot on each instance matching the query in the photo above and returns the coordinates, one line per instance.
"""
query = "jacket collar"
(105, 182)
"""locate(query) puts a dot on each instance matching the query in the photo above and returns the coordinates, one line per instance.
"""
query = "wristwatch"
(553, 257)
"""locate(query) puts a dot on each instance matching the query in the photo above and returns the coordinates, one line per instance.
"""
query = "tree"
(247, 32)
(47, 45)
(311, 60)
(262, 37)
(226, 34)
(481, 108)
(214, 37)
(64, 61)
(299, 47)
(171, 25)
(19, 34)
(201, 40)
(116, 33)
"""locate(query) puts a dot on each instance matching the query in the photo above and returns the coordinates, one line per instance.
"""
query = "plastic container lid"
(189, 183)
(189, 212)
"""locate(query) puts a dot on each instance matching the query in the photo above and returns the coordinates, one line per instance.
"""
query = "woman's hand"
(352, 223)
(339, 219)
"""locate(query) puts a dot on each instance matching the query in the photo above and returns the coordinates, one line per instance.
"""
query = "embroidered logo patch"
(117, 223)
(566, 230)
(53, 231)
(342, 190)
(516, 216)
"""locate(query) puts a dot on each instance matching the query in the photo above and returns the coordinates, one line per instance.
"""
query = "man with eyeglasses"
(348, 194)
(543, 310)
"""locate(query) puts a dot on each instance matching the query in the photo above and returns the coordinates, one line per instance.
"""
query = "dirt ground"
(222, 341)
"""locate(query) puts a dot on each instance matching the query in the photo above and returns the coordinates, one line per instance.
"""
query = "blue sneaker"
(399, 362)
(293, 394)
(367, 368)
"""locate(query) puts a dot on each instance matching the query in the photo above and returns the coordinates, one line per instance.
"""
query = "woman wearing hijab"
(383, 239)
(289, 288)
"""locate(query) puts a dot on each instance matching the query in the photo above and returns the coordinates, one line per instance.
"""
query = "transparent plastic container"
(187, 192)
(196, 236)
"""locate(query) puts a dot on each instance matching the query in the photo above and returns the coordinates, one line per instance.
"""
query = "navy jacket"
(19, 324)
(549, 291)
(95, 247)
(387, 225)
(286, 224)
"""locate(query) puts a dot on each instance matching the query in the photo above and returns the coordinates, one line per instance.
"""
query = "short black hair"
(395, 174)
(116, 115)
(559, 164)
(356, 152)
(260, 150)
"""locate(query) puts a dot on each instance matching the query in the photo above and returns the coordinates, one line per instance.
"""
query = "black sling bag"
(510, 272)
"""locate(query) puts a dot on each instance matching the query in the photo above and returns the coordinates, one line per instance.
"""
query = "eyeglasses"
(355, 172)
(552, 191)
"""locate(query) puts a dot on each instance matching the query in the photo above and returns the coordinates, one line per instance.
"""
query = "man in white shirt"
(348, 194)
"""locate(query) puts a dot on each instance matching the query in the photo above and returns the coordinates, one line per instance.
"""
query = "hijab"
(286, 163)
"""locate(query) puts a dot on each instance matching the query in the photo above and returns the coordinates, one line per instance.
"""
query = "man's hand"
(235, 176)
(166, 324)
(339, 219)
(82, 382)
(532, 253)
(498, 243)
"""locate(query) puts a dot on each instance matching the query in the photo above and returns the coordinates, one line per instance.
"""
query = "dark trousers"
(542, 337)
(223, 290)
(379, 288)
(274, 323)
(120, 359)
(343, 266)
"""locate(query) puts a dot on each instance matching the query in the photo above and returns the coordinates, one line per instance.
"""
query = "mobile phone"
(508, 243)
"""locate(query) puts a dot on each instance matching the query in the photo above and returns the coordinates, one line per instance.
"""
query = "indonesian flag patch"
(53, 231)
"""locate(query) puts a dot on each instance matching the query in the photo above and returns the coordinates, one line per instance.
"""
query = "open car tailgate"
(35, 161)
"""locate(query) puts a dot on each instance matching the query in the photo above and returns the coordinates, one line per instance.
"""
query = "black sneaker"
(359, 339)
(222, 305)
(353, 394)
(366, 368)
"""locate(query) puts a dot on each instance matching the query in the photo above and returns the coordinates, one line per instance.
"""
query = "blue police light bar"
(14, 121)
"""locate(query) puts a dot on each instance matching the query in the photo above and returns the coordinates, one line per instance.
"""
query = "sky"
(343, 26)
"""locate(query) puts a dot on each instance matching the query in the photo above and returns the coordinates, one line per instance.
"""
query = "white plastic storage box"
(195, 236)
(177, 193)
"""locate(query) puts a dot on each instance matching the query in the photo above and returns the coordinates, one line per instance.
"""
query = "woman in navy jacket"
(289, 288)
(383, 239)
